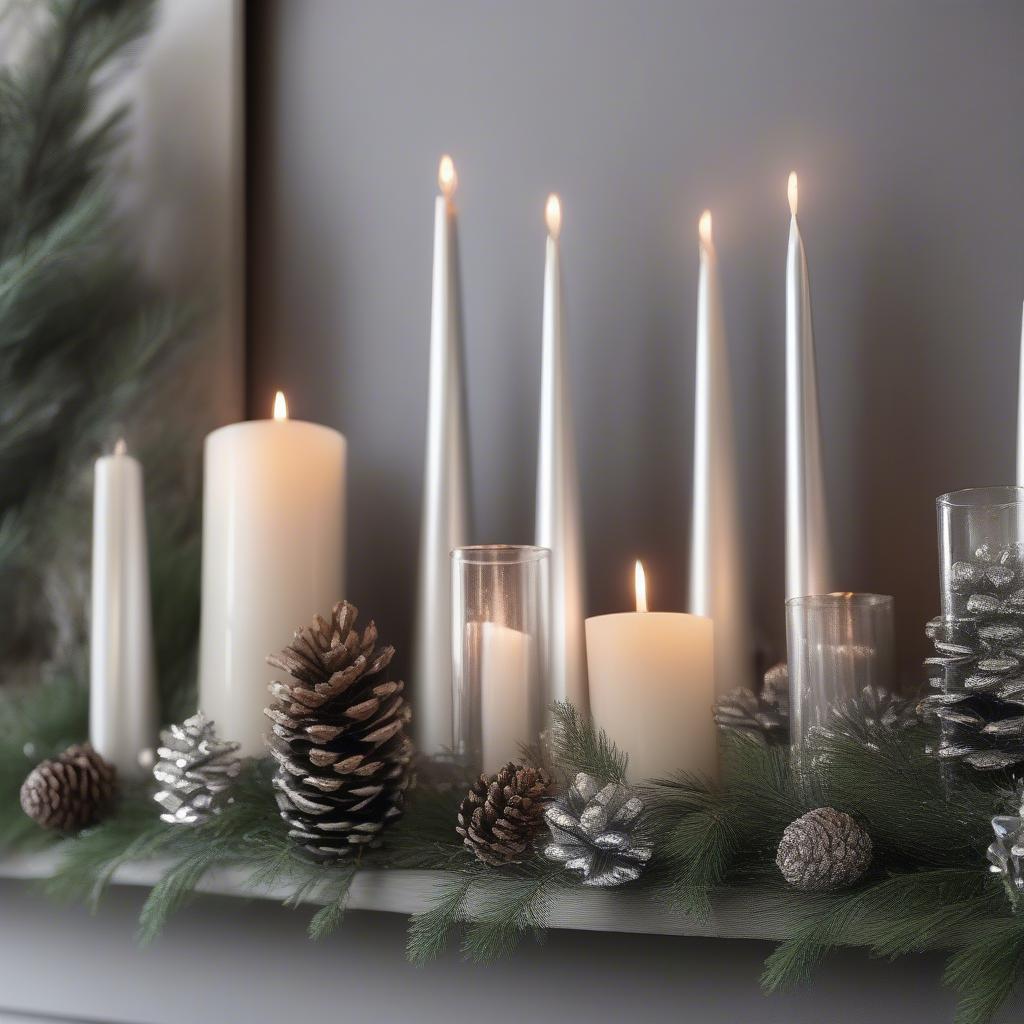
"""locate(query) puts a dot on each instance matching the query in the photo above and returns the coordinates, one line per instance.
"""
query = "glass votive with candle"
(652, 688)
(500, 623)
(837, 644)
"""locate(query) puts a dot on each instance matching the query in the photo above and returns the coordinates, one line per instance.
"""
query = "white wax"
(559, 520)
(808, 554)
(1020, 410)
(273, 557)
(652, 689)
(122, 673)
(508, 677)
(445, 523)
(718, 577)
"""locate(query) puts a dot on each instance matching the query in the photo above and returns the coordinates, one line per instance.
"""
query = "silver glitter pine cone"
(763, 716)
(823, 849)
(1006, 852)
(978, 666)
(862, 717)
(339, 736)
(502, 814)
(195, 771)
(595, 832)
(71, 791)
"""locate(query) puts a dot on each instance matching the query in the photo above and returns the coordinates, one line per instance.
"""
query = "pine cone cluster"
(762, 716)
(502, 814)
(823, 849)
(70, 791)
(339, 736)
(195, 771)
(978, 665)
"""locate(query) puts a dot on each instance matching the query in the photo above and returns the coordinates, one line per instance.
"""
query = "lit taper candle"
(122, 672)
(808, 555)
(559, 527)
(717, 579)
(446, 521)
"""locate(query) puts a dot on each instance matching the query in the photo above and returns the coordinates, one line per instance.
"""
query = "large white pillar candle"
(273, 557)
(652, 688)
(508, 686)
(446, 511)
(718, 582)
(122, 673)
(808, 555)
(559, 523)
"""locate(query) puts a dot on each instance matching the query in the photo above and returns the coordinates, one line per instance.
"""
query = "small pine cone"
(501, 815)
(70, 791)
(823, 849)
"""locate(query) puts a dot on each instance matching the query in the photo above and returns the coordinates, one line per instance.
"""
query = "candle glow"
(792, 192)
(640, 585)
(280, 407)
(704, 227)
(447, 179)
(553, 215)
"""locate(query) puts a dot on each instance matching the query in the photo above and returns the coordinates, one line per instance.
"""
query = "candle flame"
(553, 215)
(121, 448)
(280, 407)
(447, 179)
(704, 227)
(792, 192)
(640, 583)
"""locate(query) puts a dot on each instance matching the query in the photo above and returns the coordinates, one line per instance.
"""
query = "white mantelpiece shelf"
(408, 892)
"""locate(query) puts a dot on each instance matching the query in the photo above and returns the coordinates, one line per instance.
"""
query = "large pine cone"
(978, 665)
(823, 849)
(502, 814)
(70, 791)
(339, 736)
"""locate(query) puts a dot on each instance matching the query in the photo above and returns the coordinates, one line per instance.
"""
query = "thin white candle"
(122, 672)
(1020, 410)
(507, 671)
(717, 579)
(652, 687)
(445, 521)
(559, 524)
(273, 557)
(808, 554)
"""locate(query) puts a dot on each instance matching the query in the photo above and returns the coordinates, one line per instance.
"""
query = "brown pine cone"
(70, 791)
(501, 815)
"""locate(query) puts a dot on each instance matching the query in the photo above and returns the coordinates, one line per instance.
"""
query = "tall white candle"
(446, 518)
(808, 554)
(717, 579)
(1020, 410)
(273, 557)
(652, 688)
(507, 674)
(559, 526)
(122, 673)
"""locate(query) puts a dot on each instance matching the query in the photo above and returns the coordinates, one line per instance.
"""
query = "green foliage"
(579, 747)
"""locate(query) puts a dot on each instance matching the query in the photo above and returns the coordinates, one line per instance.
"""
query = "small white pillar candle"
(507, 688)
(652, 688)
(122, 672)
(273, 557)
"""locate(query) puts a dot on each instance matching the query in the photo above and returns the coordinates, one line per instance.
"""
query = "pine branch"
(580, 747)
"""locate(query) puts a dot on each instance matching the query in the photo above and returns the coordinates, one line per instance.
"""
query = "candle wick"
(121, 447)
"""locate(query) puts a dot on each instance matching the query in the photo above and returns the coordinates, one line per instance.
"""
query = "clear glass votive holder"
(837, 645)
(500, 636)
(981, 543)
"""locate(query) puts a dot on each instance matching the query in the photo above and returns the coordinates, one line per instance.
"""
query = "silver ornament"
(761, 716)
(595, 832)
(1006, 853)
(195, 770)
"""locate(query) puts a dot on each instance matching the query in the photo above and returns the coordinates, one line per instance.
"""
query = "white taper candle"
(446, 517)
(1020, 409)
(808, 554)
(717, 580)
(558, 525)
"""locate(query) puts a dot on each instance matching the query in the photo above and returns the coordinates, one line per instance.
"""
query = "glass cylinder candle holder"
(500, 626)
(837, 644)
(981, 544)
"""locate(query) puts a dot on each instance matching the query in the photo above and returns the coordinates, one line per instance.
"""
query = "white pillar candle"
(717, 578)
(507, 687)
(446, 511)
(122, 673)
(273, 557)
(808, 555)
(1020, 410)
(652, 688)
(559, 526)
